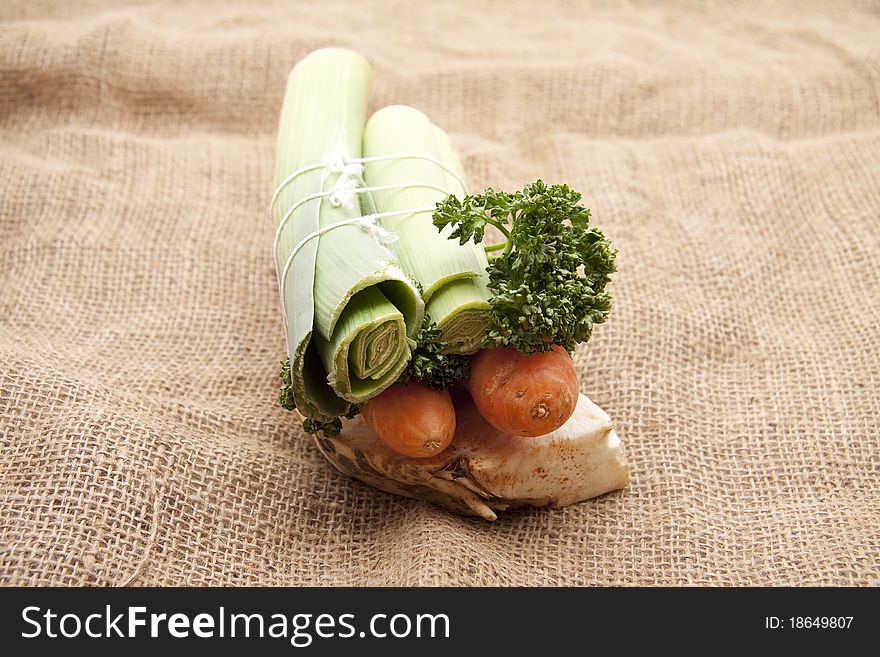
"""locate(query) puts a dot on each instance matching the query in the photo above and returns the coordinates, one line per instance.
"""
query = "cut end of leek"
(461, 312)
(370, 349)
(465, 331)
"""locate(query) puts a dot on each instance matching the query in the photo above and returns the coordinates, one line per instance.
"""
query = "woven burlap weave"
(732, 153)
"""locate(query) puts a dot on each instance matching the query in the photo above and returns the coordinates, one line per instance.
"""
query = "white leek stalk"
(452, 275)
(351, 311)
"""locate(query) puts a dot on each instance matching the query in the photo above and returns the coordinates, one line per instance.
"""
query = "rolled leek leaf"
(460, 311)
(452, 275)
(351, 311)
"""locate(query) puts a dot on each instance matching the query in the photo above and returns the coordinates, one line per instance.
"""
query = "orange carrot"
(524, 395)
(412, 419)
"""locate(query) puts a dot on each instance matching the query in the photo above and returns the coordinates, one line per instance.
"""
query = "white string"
(416, 156)
(293, 176)
(334, 191)
(351, 171)
(278, 277)
(337, 166)
(367, 224)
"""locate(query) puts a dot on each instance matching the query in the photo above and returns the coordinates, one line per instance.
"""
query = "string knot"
(353, 170)
(334, 164)
(342, 191)
(369, 225)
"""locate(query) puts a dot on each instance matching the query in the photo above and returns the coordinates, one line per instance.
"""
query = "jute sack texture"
(731, 151)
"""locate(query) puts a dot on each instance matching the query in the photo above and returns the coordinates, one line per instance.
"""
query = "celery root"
(484, 470)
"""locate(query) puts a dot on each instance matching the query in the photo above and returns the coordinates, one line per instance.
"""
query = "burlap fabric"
(733, 154)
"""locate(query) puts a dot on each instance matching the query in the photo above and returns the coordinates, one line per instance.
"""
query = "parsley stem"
(507, 244)
(488, 248)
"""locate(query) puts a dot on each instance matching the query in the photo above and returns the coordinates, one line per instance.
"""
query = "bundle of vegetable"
(384, 310)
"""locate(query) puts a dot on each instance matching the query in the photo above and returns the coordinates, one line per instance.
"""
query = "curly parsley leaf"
(329, 428)
(430, 365)
(285, 393)
(549, 281)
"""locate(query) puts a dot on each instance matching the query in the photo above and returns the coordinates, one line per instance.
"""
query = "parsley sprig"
(285, 391)
(430, 365)
(549, 280)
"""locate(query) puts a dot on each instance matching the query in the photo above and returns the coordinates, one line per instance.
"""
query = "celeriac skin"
(485, 470)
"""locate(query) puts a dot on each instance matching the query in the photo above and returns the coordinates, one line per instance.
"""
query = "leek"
(352, 313)
(452, 276)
